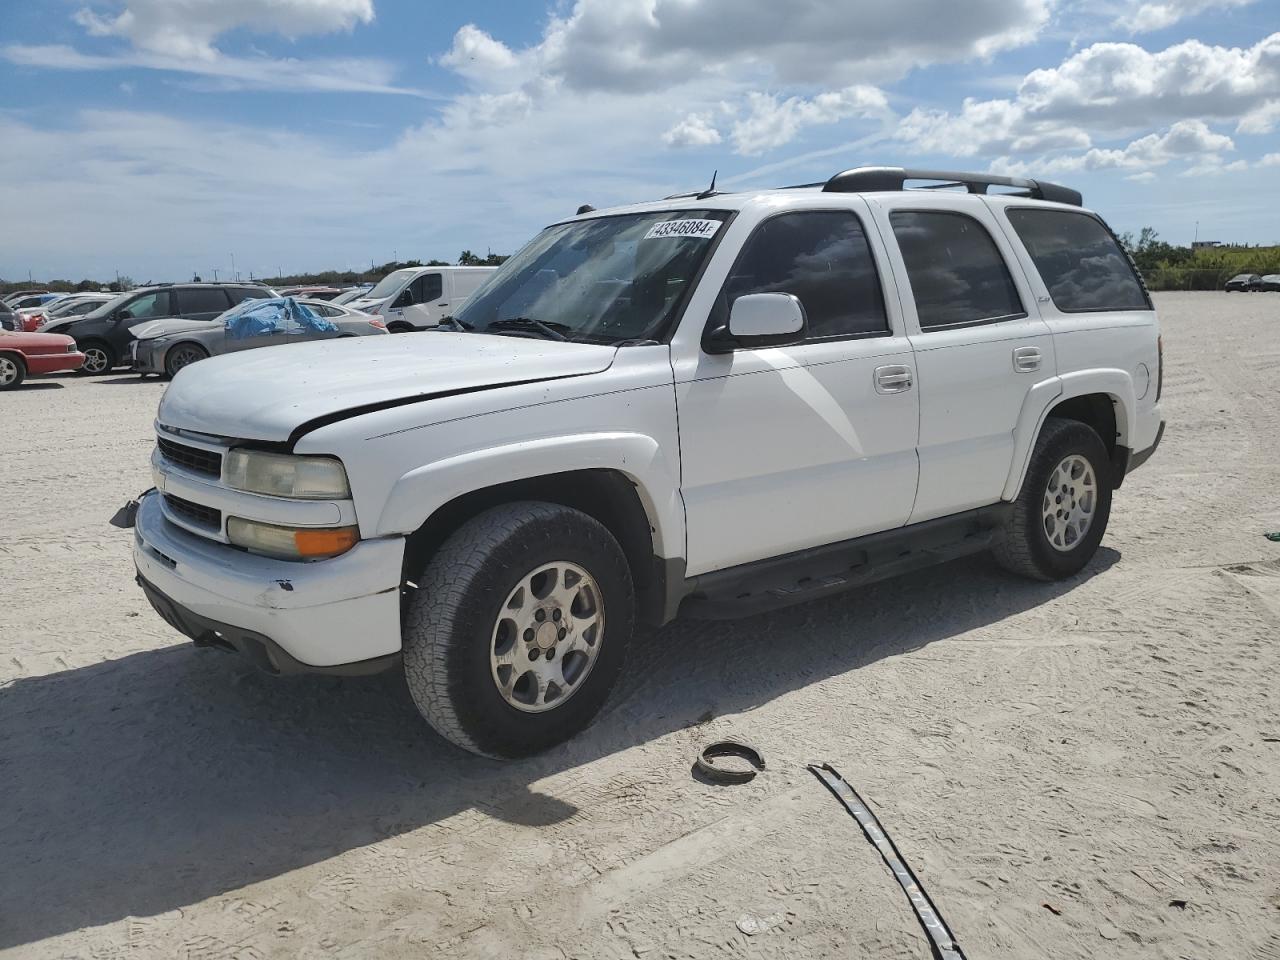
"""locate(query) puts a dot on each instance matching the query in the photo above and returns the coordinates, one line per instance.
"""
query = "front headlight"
(291, 543)
(285, 475)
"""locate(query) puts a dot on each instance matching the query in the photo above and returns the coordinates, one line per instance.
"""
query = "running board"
(823, 571)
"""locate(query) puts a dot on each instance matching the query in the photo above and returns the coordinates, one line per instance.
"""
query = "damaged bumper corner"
(328, 616)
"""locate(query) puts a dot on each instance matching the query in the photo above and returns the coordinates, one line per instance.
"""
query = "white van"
(419, 297)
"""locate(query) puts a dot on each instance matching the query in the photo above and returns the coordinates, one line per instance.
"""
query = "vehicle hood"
(268, 393)
(365, 304)
(47, 342)
(151, 329)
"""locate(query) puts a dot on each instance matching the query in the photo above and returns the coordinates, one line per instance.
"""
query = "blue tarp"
(265, 318)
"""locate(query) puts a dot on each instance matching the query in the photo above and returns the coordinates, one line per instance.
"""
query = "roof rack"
(868, 179)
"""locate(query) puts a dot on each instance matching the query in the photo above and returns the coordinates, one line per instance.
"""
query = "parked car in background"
(416, 298)
(33, 354)
(1271, 281)
(104, 334)
(8, 319)
(1244, 283)
(166, 346)
(352, 293)
(9, 298)
(311, 293)
(70, 306)
(34, 300)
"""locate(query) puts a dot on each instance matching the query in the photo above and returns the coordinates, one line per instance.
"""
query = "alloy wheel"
(547, 637)
(1070, 500)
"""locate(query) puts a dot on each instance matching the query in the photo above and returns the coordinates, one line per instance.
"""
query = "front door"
(793, 447)
(425, 294)
(980, 346)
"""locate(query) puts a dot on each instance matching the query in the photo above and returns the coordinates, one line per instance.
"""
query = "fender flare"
(1044, 396)
(422, 491)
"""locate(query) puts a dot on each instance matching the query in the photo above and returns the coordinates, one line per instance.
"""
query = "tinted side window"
(149, 305)
(823, 258)
(201, 300)
(432, 288)
(957, 274)
(1080, 262)
(241, 294)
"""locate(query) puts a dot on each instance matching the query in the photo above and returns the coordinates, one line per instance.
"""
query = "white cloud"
(1146, 176)
(179, 36)
(1270, 160)
(1145, 17)
(1186, 140)
(1121, 86)
(478, 57)
(695, 130)
(771, 122)
(331, 75)
(1262, 120)
(188, 28)
(1213, 165)
(647, 45)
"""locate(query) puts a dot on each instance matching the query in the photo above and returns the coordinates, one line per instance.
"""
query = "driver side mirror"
(121, 315)
(404, 300)
(761, 320)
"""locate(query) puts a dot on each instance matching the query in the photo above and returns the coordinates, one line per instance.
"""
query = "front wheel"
(98, 357)
(12, 371)
(183, 355)
(1061, 514)
(519, 629)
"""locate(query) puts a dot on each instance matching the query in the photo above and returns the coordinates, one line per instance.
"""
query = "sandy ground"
(1087, 769)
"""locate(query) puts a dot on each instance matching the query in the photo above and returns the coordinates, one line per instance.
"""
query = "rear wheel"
(98, 357)
(1061, 514)
(519, 629)
(12, 371)
(183, 355)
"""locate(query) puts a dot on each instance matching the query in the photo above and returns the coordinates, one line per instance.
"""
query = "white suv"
(711, 405)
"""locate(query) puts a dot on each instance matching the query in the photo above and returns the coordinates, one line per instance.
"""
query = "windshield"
(109, 307)
(390, 284)
(603, 280)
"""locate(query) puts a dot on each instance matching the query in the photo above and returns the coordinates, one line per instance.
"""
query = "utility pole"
(1193, 242)
(234, 275)
(215, 274)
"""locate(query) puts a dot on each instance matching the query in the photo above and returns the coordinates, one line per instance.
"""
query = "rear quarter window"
(1079, 260)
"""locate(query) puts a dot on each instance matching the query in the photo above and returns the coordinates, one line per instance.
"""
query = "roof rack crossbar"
(869, 179)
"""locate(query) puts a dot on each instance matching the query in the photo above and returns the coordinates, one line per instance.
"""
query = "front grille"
(194, 459)
(196, 513)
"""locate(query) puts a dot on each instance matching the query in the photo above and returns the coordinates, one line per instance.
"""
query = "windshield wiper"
(453, 323)
(548, 330)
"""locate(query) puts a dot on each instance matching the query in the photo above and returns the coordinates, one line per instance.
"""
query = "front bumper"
(336, 615)
(42, 363)
(146, 357)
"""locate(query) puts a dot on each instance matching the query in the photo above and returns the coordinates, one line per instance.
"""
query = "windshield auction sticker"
(690, 229)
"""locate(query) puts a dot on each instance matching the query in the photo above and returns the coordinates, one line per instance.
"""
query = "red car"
(35, 353)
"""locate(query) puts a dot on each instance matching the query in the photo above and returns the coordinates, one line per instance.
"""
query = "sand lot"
(1080, 770)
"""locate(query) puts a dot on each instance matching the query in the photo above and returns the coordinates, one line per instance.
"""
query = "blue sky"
(159, 138)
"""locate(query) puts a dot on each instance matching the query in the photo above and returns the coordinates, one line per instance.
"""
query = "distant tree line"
(335, 278)
(1168, 267)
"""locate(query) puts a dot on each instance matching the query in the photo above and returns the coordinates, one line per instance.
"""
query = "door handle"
(1027, 359)
(893, 379)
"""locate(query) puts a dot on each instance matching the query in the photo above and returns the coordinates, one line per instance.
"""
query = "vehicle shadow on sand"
(139, 785)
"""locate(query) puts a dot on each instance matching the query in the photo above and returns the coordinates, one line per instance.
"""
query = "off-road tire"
(1024, 546)
(450, 620)
(12, 367)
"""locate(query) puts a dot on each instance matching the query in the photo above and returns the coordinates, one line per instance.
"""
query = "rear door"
(979, 341)
(200, 303)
